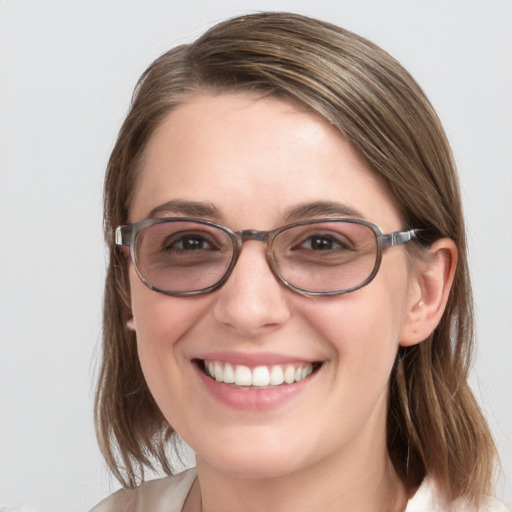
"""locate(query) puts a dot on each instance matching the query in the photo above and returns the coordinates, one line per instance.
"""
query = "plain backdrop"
(67, 70)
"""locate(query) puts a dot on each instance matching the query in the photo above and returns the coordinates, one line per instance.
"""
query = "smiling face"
(252, 163)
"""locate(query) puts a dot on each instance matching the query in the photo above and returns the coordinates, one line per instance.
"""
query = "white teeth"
(276, 375)
(229, 374)
(218, 371)
(260, 376)
(243, 375)
(306, 370)
(289, 375)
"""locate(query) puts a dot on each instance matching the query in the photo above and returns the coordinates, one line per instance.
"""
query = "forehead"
(253, 159)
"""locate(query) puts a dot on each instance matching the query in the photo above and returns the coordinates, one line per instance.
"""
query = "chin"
(250, 468)
(251, 457)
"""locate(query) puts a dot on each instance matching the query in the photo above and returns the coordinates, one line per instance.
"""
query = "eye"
(189, 242)
(324, 242)
(321, 243)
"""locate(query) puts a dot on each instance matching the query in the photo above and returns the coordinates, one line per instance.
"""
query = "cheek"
(363, 327)
(161, 319)
(360, 335)
(161, 323)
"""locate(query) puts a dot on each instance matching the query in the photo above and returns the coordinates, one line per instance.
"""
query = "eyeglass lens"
(321, 257)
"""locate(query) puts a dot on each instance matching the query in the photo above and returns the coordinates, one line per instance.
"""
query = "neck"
(353, 482)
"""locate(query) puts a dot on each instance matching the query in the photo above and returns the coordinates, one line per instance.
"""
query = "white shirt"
(169, 494)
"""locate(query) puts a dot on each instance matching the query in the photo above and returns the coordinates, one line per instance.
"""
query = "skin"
(325, 448)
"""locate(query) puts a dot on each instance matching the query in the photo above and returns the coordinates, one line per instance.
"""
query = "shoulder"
(162, 495)
(427, 499)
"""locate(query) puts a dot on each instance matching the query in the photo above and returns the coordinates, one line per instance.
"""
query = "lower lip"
(253, 399)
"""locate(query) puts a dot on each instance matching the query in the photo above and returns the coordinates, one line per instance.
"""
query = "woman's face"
(247, 163)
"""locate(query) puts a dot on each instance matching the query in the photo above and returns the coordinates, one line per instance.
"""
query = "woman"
(288, 287)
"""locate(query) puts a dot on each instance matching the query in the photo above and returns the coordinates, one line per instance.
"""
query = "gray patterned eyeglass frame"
(325, 256)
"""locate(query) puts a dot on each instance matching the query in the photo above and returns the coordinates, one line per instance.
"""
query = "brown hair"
(434, 424)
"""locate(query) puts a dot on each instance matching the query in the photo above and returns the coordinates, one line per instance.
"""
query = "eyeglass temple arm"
(398, 238)
(123, 236)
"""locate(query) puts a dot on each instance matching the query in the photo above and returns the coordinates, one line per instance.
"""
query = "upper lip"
(254, 359)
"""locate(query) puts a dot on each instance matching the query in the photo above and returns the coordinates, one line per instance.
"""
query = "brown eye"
(320, 243)
(189, 242)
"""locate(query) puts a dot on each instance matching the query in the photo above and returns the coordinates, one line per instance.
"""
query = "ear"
(430, 288)
(130, 324)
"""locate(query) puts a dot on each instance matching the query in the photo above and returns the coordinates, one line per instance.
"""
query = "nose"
(252, 301)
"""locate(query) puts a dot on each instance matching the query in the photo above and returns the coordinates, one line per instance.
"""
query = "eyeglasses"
(185, 256)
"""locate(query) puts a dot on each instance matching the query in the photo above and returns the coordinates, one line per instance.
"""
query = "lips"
(255, 382)
(258, 377)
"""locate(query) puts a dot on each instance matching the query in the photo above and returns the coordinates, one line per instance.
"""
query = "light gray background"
(67, 69)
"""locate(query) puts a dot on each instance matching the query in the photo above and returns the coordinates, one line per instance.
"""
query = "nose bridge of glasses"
(253, 234)
(247, 235)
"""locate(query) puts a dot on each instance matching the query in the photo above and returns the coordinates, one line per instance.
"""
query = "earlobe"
(130, 324)
(431, 289)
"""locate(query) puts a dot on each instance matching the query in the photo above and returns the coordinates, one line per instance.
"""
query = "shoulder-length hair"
(434, 424)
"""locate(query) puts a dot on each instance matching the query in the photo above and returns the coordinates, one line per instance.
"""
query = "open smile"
(259, 377)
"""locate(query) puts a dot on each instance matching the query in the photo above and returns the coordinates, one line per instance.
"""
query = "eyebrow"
(201, 209)
(186, 208)
(321, 209)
